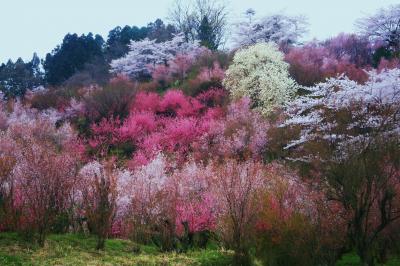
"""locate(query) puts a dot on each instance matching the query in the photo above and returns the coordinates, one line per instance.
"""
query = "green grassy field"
(74, 250)
(352, 259)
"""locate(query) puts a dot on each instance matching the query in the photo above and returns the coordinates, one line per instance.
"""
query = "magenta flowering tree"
(182, 126)
(172, 124)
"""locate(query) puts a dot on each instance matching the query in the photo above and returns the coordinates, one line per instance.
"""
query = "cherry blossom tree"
(383, 26)
(280, 29)
(316, 112)
(145, 55)
(348, 136)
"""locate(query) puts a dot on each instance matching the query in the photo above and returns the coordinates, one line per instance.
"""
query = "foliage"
(260, 73)
(16, 78)
(71, 56)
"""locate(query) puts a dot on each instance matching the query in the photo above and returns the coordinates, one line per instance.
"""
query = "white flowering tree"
(279, 28)
(146, 54)
(260, 73)
(383, 26)
(373, 108)
(348, 135)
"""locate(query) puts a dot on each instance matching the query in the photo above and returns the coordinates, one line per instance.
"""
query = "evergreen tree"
(206, 35)
(72, 56)
(16, 78)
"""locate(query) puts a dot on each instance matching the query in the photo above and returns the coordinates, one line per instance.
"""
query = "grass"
(73, 249)
(351, 259)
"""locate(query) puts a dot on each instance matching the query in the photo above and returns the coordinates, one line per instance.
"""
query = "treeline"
(78, 60)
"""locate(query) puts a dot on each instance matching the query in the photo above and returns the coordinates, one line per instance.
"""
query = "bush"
(113, 100)
(57, 98)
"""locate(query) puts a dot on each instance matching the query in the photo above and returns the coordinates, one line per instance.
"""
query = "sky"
(28, 26)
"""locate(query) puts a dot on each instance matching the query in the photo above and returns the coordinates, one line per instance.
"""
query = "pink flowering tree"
(315, 63)
(238, 188)
(99, 194)
(7, 163)
(43, 171)
(240, 134)
(196, 210)
(151, 207)
(297, 224)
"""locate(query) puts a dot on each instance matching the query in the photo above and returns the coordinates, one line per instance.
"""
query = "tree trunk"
(100, 243)
(367, 259)
(41, 238)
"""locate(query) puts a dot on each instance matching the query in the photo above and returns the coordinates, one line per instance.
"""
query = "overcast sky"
(28, 26)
